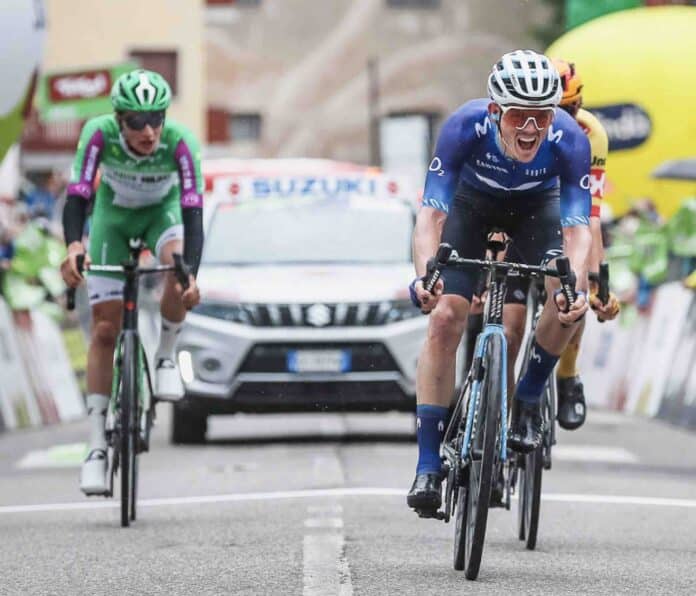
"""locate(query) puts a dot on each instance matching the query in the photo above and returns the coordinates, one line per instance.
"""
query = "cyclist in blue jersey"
(510, 162)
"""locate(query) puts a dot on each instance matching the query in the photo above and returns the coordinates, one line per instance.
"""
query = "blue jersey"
(468, 154)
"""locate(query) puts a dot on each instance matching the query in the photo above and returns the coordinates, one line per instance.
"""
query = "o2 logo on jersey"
(436, 166)
(585, 182)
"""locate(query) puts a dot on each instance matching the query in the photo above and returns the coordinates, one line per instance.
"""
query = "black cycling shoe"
(425, 492)
(571, 403)
(525, 431)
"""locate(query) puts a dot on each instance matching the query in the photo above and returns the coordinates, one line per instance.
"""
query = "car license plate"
(305, 361)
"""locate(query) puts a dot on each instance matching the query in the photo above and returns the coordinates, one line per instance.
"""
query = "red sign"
(79, 85)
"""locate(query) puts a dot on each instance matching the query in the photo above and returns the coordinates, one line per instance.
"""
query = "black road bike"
(531, 465)
(130, 413)
(474, 447)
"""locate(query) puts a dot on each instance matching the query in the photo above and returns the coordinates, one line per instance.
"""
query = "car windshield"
(350, 230)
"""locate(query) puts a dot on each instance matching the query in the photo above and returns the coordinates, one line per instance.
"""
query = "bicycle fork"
(478, 372)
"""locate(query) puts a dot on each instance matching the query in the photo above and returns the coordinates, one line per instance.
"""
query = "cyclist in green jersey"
(151, 188)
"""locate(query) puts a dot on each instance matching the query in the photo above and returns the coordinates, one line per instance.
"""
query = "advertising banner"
(78, 94)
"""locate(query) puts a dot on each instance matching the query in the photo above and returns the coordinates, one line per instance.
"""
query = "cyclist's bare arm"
(577, 245)
(426, 236)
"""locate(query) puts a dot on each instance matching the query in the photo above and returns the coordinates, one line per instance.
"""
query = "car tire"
(188, 425)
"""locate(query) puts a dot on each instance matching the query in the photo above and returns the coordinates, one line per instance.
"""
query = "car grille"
(272, 358)
(311, 315)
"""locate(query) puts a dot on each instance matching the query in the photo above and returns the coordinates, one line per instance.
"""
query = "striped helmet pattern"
(140, 91)
(525, 78)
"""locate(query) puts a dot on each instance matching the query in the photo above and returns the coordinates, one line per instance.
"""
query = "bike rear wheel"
(472, 512)
(128, 430)
(530, 497)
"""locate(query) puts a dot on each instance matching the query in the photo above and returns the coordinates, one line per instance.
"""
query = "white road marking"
(593, 453)
(329, 492)
(325, 569)
(325, 509)
(324, 564)
(324, 522)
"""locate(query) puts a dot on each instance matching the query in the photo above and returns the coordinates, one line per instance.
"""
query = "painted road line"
(332, 492)
(324, 522)
(324, 564)
(59, 456)
(594, 454)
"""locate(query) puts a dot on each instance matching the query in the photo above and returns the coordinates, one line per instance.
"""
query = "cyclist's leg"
(106, 247)
(435, 378)
(165, 236)
(514, 320)
(571, 396)
(537, 239)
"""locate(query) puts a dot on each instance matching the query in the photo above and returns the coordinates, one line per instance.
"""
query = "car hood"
(286, 284)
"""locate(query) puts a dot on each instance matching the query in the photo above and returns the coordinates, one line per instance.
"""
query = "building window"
(244, 127)
(414, 3)
(163, 62)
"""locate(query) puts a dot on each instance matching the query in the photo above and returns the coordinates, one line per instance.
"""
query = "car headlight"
(236, 313)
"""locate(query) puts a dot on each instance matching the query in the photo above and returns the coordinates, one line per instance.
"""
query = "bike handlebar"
(447, 257)
(180, 268)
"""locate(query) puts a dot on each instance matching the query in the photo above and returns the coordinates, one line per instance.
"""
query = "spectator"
(41, 199)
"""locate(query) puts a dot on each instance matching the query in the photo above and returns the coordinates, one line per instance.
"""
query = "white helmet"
(525, 78)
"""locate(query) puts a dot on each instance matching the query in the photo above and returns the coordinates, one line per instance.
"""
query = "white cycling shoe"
(168, 383)
(93, 473)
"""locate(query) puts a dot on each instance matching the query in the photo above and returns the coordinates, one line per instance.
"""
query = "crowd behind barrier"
(645, 362)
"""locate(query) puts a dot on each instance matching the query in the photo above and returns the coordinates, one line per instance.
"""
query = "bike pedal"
(104, 493)
(431, 514)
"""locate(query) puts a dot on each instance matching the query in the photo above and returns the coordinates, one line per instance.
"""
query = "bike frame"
(493, 325)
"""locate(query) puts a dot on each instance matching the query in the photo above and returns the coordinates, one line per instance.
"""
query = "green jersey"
(133, 181)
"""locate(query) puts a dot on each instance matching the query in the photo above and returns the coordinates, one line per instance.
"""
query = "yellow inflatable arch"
(639, 71)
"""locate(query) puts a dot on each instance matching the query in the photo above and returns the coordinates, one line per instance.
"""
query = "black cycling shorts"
(531, 220)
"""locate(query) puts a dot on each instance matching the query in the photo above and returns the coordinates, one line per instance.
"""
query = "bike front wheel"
(129, 429)
(474, 496)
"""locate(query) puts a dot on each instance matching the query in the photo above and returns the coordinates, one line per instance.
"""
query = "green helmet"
(140, 91)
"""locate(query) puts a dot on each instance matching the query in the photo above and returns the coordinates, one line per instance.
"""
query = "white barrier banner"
(675, 394)
(647, 381)
(16, 394)
(602, 362)
(56, 370)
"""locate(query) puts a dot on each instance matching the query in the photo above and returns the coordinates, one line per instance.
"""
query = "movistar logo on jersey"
(554, 136)
(482, 128)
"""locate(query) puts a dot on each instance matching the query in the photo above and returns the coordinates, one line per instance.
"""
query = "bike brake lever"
(181, 271)
(70, 295)
(435, 267)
